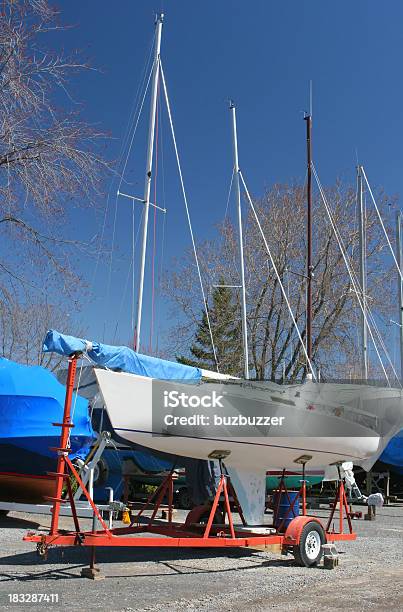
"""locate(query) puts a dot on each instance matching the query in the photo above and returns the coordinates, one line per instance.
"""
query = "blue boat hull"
(393, 453)
(31, 401)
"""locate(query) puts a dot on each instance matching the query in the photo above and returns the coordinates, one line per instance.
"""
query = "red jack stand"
(340, 500)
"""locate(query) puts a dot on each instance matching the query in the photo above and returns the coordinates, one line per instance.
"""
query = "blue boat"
(393, 453)
(116, 462)
(31, 399)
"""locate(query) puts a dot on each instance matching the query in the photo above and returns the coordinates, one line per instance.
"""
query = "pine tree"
(226, 329)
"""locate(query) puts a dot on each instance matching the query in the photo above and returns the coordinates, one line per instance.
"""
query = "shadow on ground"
(12, 522)
(75, 558)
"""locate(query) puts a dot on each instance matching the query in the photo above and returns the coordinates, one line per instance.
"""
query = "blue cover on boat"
(31, 399)
(393, 453)
(150, 463)
(120, 358)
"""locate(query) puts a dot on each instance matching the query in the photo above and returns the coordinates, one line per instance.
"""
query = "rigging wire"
(356, 215)
(188, 217)
(162, 252)
(132, 263)
(223, 241)
(289, 316)
(277, 274)
(382, 343)
(354, 282)
(382, 224)
(229, 193)
(129, 274)
(368, 311)
(136, 126)
(347, 264)
(159, 278)
(108, 291)
(154, 220)
(132, 115)
(109, 282)
(291, 326)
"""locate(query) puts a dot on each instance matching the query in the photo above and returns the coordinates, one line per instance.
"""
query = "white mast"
(238, 199)
(363, 276)
(149, 167)
(400, 285)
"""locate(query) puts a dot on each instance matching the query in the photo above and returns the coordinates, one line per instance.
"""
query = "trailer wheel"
(101, 473)
(218, 517)
(309, 551)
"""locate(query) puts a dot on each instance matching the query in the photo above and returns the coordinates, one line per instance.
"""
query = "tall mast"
(238, 200)
(148, 173)
(308, 119)
(400, 285)
(363, 275)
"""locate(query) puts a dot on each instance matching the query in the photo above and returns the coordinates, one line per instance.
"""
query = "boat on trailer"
(323, 423)
(213, 526)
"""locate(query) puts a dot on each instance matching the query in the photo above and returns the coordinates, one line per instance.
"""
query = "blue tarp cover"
(31, 399)
(393, 453)
(120, 358)
(150, 463)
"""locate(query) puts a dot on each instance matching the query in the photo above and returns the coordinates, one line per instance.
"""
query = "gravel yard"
(370, 574)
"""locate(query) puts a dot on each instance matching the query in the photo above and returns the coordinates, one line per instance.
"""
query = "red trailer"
(205, 526)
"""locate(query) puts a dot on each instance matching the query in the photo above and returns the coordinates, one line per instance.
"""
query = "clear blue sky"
(263, 54)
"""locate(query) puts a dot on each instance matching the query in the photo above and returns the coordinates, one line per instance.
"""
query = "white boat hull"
(128, 400)
(368, 416)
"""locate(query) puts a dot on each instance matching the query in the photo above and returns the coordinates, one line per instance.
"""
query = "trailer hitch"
(42, 548)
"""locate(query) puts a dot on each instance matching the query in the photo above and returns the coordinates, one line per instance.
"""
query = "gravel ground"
(370, 574)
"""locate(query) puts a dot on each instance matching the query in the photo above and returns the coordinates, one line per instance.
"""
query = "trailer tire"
(101, 473)
(218, 517)
(308, 552)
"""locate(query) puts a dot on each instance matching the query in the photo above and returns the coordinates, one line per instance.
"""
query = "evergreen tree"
(226, 329)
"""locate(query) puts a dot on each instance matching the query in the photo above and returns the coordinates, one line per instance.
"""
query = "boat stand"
(204, 526)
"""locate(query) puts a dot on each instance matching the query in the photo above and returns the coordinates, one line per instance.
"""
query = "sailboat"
(311, 423)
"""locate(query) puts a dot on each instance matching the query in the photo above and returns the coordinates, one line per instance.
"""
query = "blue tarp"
(393, 453)
(120, 358)
(31, 399)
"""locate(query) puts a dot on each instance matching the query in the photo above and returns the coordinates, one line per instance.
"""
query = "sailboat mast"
(238, 200)
(363, 275)
(308, 119)
(148, 174)
(400, 285)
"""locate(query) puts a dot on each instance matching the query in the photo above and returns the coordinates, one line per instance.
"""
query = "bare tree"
(275, 349)
(23, 328)
(51, 161)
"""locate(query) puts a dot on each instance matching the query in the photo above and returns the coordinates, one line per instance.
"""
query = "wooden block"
(93, 573)
(330, 562)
